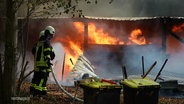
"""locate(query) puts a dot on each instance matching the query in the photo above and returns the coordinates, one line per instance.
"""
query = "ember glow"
(179, 28)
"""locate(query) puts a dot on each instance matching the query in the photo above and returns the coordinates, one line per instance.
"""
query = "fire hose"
(67, 93)
(61, 87)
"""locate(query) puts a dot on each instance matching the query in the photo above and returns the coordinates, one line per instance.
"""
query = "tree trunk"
(10, 66)
(1, 78)
(2, 31)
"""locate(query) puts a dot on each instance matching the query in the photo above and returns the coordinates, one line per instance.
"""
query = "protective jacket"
(43, 54)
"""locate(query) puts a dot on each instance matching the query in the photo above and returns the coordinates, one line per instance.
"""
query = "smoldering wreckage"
(98, 90)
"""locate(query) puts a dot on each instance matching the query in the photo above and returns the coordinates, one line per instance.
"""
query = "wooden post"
(85, 35)
(124, 72)
(164, 32)
(149, 69)
(143, 65)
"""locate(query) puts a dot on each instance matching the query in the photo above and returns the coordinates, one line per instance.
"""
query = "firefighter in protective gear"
(43, 55)
(41, 34)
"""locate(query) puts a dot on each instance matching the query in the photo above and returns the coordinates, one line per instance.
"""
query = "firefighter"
(43, 55)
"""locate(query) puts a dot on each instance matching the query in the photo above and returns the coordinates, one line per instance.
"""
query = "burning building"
(110, 43)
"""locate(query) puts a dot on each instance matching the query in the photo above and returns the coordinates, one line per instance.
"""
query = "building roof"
(109, 18)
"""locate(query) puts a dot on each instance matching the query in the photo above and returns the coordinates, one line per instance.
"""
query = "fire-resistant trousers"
(38, 84)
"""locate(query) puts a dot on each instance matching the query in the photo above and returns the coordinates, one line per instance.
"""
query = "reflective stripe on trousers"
(39, 87)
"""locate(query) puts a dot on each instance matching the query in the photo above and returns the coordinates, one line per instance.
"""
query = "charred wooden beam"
(177, 37)
(124, 72)
(149, 69)
(142, 65)
(160, 70)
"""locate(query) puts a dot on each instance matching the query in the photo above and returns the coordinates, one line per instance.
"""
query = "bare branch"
(17, 4)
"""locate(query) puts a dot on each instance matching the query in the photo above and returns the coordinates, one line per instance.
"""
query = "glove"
(49, 63)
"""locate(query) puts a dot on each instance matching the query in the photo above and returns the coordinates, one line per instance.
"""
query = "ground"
(56, 96)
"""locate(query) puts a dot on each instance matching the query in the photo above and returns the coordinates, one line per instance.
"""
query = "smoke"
(109, 62)
(134, 8)
(175, 63)
(58, 60)
(105, 61)
(123, 8)
(110, 59)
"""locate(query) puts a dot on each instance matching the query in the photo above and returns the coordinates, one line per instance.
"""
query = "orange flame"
(98, 36)
(137, 37)
(72, 50)
(72, 54)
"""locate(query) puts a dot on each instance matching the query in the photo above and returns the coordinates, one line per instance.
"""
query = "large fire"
(95, 36)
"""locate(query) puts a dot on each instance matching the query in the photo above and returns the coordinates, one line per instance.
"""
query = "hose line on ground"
(61, 87)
